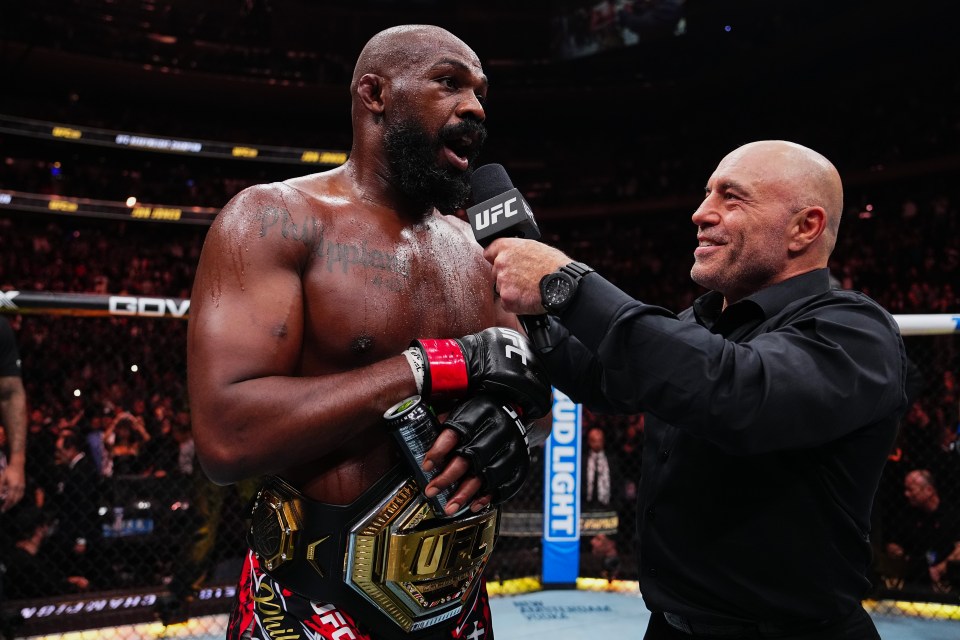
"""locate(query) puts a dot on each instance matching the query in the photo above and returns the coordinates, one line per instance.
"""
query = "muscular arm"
(253, 412)
(13, 416)
(833, 369)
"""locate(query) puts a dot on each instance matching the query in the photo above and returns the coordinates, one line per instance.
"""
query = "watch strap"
(573, 273)
(576, 269)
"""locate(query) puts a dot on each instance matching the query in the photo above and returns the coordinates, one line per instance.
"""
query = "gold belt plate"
(417, 568)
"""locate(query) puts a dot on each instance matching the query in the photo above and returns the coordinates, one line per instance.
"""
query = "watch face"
(556, 291)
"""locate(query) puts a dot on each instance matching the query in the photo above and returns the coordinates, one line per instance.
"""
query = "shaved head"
(771, 211)
(417, 111)
(806, 178)
(401, 47)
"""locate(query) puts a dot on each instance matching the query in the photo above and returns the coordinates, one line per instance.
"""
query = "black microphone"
(502, 212)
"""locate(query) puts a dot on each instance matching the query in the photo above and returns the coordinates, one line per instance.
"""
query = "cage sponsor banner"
(72, 611)
(148, 142)
(92, 304)
(568, 613)
(105, 209)
(561, 495)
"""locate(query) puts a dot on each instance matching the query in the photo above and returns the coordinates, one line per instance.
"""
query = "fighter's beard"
(412, 156)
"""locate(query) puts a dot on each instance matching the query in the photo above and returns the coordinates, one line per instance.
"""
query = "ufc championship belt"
(386, 558)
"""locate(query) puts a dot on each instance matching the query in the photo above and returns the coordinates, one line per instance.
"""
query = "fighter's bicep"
(250, 333)
(247, 315)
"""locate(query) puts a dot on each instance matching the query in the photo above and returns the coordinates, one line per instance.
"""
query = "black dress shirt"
(768, 425)
(77, 502)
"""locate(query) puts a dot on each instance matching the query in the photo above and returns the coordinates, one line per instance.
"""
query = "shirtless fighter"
(322, 302)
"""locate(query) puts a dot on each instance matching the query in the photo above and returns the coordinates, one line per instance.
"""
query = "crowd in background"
(617, 194)
(118, 384)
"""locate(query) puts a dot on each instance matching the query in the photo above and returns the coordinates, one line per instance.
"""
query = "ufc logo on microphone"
(514, 337)
(489, 216)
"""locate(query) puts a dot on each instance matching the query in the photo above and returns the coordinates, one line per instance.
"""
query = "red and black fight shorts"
(264, 610)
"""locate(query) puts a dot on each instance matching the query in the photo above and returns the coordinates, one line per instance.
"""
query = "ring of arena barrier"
(94, 304)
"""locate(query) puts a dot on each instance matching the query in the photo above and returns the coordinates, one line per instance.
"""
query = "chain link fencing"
(150, 541)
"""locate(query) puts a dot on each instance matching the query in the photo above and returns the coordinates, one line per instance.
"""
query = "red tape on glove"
(447, 366)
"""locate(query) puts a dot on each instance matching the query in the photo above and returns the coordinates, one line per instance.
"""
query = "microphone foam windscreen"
(488, 181)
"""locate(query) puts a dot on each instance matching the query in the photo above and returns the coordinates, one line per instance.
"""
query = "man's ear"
(371, 89)
(807, 225)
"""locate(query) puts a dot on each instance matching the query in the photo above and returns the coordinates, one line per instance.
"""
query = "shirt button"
(664, 455)
(651, 512)
(652, 572)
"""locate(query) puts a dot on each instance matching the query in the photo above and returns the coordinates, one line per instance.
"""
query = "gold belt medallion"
(394, 554)
(418, 568)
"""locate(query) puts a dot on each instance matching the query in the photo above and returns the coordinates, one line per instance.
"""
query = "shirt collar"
(767, 302)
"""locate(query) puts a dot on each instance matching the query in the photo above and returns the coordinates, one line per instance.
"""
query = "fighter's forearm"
(263, 425)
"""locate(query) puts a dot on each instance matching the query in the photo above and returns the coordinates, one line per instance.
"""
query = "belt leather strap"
(386, 557)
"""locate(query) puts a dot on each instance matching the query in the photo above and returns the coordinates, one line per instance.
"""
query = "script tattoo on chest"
(341, 255)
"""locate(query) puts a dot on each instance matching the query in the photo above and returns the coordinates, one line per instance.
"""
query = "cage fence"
(141, 538)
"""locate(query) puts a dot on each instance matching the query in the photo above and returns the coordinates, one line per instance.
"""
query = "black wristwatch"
(558, 288)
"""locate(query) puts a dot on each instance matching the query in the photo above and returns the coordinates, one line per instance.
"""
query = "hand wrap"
(497, 360)
(493, 439)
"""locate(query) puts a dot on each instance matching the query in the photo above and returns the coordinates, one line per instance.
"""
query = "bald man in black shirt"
(771, 404)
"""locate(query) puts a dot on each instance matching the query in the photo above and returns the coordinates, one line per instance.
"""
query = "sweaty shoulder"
(462, 225)
(286, 216)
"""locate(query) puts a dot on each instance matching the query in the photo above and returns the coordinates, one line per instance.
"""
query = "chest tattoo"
(332, 253)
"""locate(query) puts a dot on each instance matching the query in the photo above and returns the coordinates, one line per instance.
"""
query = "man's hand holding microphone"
(502, 222)
(518, 266)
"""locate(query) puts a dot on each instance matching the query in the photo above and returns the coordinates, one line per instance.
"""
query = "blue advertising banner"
(561, 496)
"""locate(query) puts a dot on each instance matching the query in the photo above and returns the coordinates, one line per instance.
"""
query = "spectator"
(599, 480)
(13, 417)
(604, 549)
(928, 539)
(31, 571)
(125, 438)
(629, 454)
(41, 445)
(187, 453)
(77, 497)
(161, 452)
(95, 444)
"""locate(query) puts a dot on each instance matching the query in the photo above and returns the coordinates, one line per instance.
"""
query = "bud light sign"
(561, 508)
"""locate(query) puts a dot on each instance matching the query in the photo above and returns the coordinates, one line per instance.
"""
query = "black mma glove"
(493, 439)
(498, 360)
